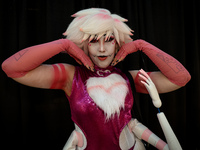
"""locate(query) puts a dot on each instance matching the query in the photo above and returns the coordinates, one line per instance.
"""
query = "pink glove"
(168, 65)
(126, 49)
(27, 59)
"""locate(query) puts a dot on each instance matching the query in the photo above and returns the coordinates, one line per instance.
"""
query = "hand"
(126, 49)
(150, 86)
(78, 54)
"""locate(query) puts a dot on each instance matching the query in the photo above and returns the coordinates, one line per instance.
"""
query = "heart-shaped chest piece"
(108, 93)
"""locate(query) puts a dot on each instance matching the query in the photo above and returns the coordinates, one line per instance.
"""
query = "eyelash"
(108, 40)
(94, 41)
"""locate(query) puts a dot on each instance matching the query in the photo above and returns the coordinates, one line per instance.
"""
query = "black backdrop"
(32, 118)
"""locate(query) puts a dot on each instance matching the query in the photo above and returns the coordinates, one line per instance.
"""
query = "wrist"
(63, 44)
(139, 43)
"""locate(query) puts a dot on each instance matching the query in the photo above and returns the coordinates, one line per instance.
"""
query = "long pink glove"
(168, 65)
(27, 59)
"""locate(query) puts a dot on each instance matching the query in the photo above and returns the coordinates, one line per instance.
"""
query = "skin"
(102, 53)
(42, 76)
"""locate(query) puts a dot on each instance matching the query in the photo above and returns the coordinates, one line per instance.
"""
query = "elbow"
(4, 66)
(183, 79)
(188, 78)
(11, 70)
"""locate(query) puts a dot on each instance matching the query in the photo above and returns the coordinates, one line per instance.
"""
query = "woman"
(98, 93)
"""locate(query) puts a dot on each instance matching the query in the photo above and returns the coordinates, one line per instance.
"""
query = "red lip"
(102, 58)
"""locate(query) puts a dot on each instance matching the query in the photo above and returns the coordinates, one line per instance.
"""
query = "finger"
(143, 77)
(88, 64)
(119, 57)
(76, 59)
(145, 84)
(144, 73)
(91, 68)
(88, 67)
(114, 62)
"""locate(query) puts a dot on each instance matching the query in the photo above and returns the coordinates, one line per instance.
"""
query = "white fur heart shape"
(108, 93)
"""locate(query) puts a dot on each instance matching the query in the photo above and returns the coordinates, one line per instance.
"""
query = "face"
(102, 51)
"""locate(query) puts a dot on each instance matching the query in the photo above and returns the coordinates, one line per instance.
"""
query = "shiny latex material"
(99, 132)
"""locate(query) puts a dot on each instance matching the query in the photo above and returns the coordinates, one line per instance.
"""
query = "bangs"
(97, 36)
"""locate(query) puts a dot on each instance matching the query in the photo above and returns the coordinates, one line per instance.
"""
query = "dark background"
(32, 118)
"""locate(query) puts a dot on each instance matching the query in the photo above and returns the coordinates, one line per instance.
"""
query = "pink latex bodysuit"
(100, 134)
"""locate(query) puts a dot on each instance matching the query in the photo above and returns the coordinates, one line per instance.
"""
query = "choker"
(101, 72)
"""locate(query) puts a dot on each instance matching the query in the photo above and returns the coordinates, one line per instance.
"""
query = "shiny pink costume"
(100, 134)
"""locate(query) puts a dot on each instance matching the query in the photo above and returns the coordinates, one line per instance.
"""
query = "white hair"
(94, 23)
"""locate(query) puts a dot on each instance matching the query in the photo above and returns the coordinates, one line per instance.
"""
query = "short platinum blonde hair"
(94, 23)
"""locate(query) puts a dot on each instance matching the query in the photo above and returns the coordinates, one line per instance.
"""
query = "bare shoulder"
(70, 69)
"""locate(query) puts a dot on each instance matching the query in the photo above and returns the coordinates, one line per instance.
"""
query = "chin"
(103, 66)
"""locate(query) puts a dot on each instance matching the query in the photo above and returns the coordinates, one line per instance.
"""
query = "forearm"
(167, 64)
(29, 58)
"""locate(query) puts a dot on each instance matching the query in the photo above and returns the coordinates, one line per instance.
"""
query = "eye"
(110, 39)
(94, 41)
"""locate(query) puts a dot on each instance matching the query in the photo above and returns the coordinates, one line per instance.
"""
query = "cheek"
(92, 48)
(111, 47)
(113, 42)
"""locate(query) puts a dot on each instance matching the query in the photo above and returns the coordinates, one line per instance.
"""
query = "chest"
(108, 93)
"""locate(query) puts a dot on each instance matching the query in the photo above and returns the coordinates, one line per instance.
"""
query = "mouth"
(102, 58)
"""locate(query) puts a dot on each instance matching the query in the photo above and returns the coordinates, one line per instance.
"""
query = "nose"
(101, 46)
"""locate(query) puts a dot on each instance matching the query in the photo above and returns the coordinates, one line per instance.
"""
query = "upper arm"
(45, 76)
(162, 83)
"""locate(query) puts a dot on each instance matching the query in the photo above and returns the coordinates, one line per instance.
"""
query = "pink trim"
(108, 89)
(160, 144)
(60, 77)
(63, 78)
(104, 16)
(116, 20)
(56, 77)
(146, 134)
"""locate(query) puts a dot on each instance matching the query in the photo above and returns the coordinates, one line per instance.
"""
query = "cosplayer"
(99, 94)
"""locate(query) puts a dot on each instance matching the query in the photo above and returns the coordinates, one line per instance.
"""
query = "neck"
(103, 71)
